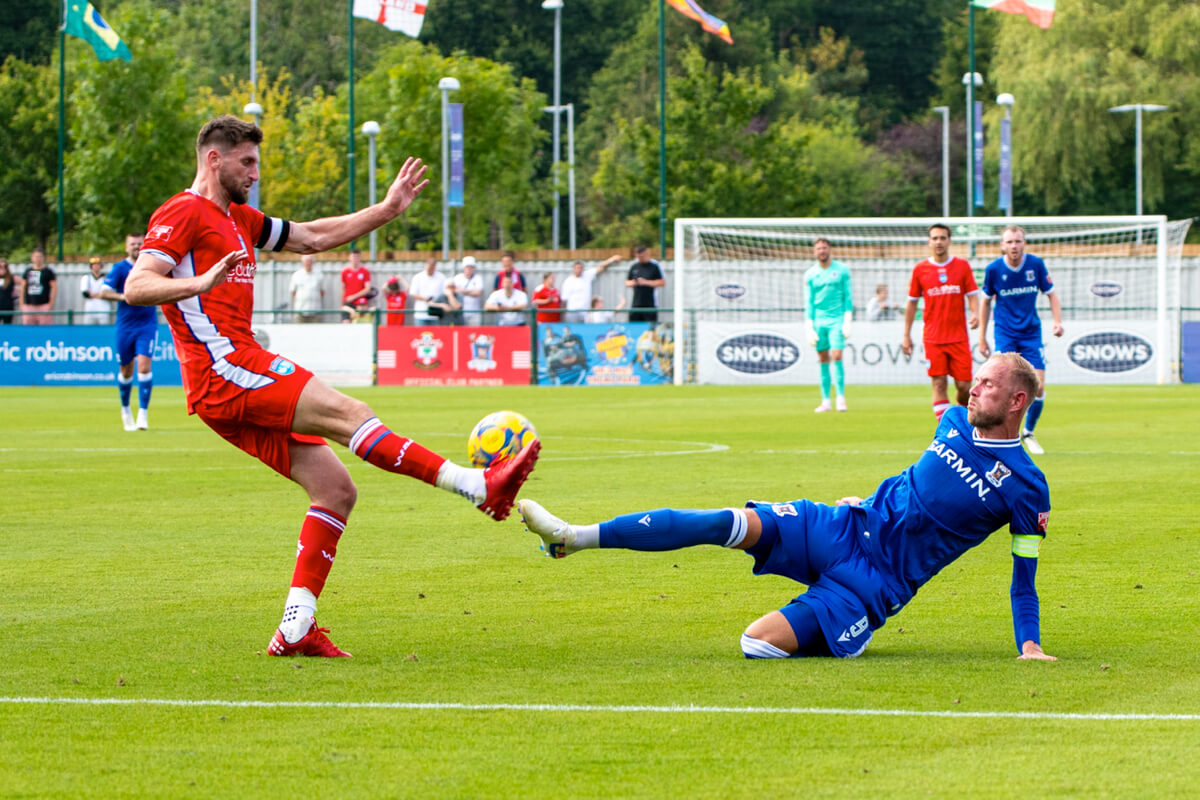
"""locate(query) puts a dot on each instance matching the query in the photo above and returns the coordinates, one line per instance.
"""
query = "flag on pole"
(84, 21)
(707, 21)
(405, 16)
(1039, 12)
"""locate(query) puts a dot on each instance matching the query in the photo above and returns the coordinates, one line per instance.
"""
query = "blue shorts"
(136, 341)
(818, 545)
(1028, 346)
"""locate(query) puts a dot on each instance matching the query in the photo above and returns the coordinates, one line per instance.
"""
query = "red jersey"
(944, 286)
(193, 233)
(544, 292)
(354, 281)
(395, 307)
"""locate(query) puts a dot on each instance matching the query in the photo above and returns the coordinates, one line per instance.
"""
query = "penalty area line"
(612, 709)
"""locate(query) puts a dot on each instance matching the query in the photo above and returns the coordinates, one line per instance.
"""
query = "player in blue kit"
(1014, 280)
(863, 560)
(137, 329)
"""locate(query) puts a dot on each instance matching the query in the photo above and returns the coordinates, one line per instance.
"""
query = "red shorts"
(952, 358)
(250, 402)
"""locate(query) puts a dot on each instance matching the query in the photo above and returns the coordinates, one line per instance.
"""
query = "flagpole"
(662, 133)
(970, 109)
(350, 145)
(62, 115)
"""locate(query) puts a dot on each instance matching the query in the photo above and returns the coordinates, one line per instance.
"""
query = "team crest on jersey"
(1029, 275)
(161, 232)
(784, 510)
(943, 277)
(997, 474)
(281, 366)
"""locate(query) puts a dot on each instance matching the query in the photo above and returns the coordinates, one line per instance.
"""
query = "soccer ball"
(499, 435)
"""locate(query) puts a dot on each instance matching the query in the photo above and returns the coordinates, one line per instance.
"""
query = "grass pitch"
(143, 574)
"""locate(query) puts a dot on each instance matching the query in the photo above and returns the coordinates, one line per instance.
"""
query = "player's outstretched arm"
(149, 285)
(319, 235)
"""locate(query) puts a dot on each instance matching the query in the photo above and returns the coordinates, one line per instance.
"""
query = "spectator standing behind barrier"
(645, 277)
(446, 306)
(426, 285)
(356, 288)
(40, 291)
(507, 268)
(91, 286)
(509, 300)
(468, 285)
(879, 308)
(306, 291)
(548, 300)
(395, 292)
(10, 286)
(577, 288)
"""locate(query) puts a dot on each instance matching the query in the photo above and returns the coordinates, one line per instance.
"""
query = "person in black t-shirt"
(645, 277)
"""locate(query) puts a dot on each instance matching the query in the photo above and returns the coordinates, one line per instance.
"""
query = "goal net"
(740, 304)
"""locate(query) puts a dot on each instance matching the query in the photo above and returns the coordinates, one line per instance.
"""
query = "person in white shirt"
(95, 308)
(878, 307)
(307, 291)
(508, 300)
(426, 285)
(469, 288)
(577, 288)
(603, 317)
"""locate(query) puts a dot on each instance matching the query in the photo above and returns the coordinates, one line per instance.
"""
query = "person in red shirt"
(547, 298)
(943, 281)
(396, 295)
(356, 288)
(198, 263)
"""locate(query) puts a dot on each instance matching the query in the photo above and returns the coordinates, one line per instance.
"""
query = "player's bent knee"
(757, 648)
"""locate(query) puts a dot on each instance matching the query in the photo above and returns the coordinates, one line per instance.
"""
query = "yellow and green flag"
(84, 21)
(1039, 12)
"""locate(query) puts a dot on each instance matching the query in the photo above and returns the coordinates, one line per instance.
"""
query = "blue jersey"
(961, 489)
(1016, 292)
(129, 317)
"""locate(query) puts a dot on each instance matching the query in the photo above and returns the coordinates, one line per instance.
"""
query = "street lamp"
(972, 84)
(1138, 108)
(1005, 99)
(446, 85)
(556, 6)
(945, 112)
(370, 129)
(254, 110)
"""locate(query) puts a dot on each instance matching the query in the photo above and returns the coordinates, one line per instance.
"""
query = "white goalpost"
(739, 295)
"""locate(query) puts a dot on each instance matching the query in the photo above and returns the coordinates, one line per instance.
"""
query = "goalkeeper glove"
(812, 332)
(846, 324)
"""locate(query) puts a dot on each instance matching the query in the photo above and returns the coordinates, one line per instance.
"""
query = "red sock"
(377, 445)
(939, 409)
(317, 546)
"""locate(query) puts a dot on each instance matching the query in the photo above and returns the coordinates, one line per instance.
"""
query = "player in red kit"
(943, 281)
(198, 263)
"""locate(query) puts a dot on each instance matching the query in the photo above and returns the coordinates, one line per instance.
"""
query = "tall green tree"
(28, 30)
(132, 129)
(503, 127)
(28, 154)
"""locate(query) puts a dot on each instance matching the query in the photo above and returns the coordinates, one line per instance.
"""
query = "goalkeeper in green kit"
(828, 313)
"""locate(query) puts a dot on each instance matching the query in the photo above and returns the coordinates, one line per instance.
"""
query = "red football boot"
(314, 643)
(504, 480)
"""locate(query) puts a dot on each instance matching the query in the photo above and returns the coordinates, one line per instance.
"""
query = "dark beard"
(980, 420)
(235, 191)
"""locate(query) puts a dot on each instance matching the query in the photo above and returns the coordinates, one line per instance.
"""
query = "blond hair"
(1021, 374)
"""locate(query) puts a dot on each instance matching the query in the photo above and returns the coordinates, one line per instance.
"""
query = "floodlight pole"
(945, 112)
(1138, 108)
(446, 85)
(370, 129)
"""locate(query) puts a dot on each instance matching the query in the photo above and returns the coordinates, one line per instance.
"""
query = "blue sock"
(125, 386)
(672, 529)
(145, 384)
(1035, 411)
(839, 378)
(825, 380)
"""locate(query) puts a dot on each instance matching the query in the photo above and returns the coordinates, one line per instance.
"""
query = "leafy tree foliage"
(28, 154)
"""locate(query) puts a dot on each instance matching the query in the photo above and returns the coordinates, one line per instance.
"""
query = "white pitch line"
(568, 708)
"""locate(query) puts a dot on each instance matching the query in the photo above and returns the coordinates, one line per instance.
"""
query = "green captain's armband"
(1026, 545)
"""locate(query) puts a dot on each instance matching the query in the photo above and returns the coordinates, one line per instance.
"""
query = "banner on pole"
(454, 198)
(1039, 12)
(1005, 164)
(405, 16)
(978, 139)
(84, 21)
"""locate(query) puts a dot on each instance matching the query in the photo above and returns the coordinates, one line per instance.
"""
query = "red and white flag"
(405, 16)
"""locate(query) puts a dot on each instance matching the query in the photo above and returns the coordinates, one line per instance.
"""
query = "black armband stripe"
(274, 234)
